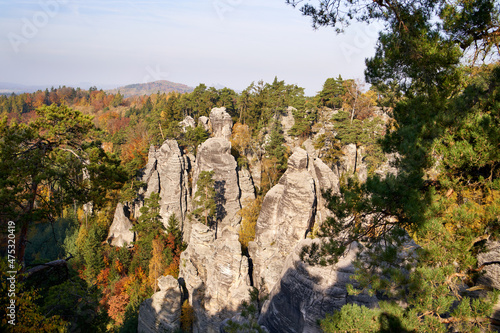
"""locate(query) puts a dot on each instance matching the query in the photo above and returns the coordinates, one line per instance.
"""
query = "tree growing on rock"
(204, 197)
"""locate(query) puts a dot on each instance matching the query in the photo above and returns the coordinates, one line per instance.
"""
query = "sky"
(110, 43)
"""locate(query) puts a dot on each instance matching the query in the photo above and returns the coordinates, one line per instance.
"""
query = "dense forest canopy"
(68, 156)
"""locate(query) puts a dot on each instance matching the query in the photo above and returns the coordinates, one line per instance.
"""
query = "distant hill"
(151, 88)
(7, 88)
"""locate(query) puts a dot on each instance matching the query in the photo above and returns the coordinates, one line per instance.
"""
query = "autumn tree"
(355, 101)
(156, 264)
(249, 214)
(47, 153)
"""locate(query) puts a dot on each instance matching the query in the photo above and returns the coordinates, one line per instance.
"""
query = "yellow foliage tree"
(249, 214)
(187, 316)
(156, 267)
(242, 137)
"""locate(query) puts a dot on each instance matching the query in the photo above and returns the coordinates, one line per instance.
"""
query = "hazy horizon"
(221, 42)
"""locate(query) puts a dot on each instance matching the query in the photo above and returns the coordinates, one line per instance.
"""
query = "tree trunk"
(55, 263)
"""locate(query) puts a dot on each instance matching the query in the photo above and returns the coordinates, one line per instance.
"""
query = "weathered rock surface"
(325, 179)
(204, 122)
(221, 122)
(491, 276)
(166, 173)
(162, 312)
(120, 232)
(287, 213)
(216, 276)
(287, 122)
(352, 162)
(215, 154)
(306, 293)
(187, 122)
(173, 174)
(247, 188)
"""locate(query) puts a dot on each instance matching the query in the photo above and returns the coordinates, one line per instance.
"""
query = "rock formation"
(221, 122)
(120, 233)
(187, 122)
(245, 181)
(166, 173)
(215, 155)
(287, 122)
(352, 162)
(162, 312)
(216, 276)
(288, 213)
(306, 293)
(204, 122)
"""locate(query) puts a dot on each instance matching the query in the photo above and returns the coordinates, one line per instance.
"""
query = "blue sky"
(216, 42)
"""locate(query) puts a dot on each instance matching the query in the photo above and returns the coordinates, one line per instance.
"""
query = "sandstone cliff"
(162, 312)
(216, 276)
(120, 233)
(306, 293)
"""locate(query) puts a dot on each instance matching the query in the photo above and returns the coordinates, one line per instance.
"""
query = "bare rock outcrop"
(221, 122)
(162, 312)
(352, 162)
(325, 179)
(215, 275)
(245, 182)
(491, 276)
(120, 232)
(173, 174)
(166, 173)
(204, 122)
(215, 155)
(306, 293)
(287, 122)
(288, 212)
(187, 122)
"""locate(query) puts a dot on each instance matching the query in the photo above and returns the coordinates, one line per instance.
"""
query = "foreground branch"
(55, 263)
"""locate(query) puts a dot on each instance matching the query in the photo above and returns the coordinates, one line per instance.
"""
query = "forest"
(68, 156)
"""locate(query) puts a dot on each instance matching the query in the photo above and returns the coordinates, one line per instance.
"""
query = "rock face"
(325, 179)
(221, 122)
(216, 276)
(491, 275)
(120, 233)
(204, 122)
(306, 293)
(288, 213)
(215, 154)
(247, 189)
(166, 173)
(287, 122)
(352, 162)
(187, 122)
(162, 312)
